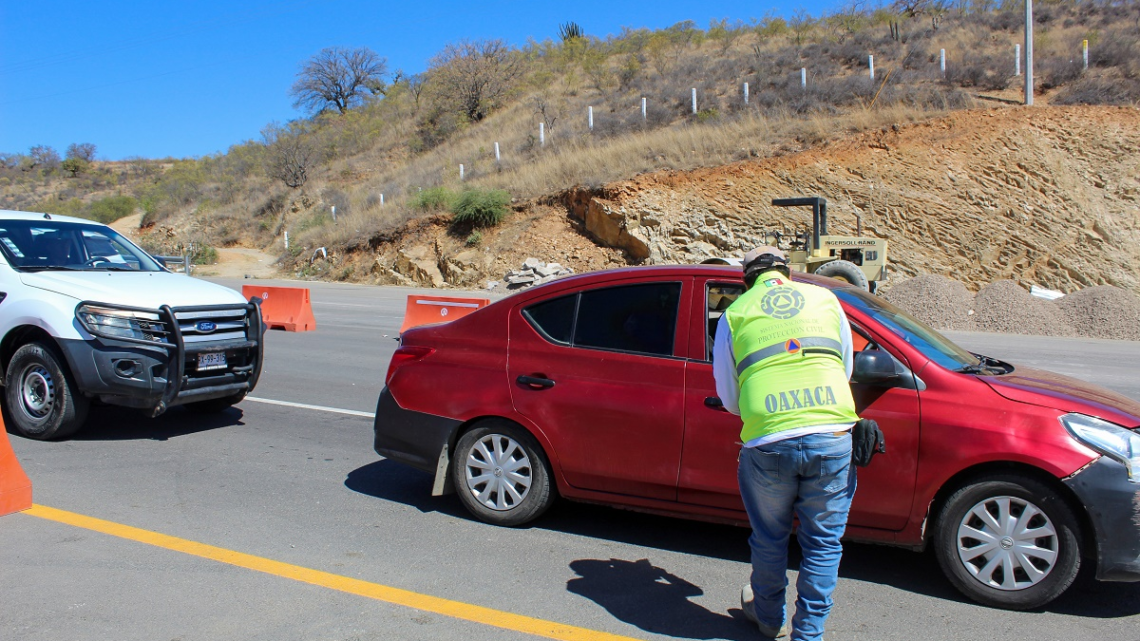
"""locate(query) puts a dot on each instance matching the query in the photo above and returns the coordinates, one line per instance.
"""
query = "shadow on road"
(121, 424)
(392, 481)
(641, 594)
(901, 569)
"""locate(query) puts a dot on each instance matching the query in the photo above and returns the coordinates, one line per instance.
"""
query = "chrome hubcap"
(37, 389)
(1007, 543)
(498, 472)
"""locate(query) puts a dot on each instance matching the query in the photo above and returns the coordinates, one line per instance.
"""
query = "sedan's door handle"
(535, 382)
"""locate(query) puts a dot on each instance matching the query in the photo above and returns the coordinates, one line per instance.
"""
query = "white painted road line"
(305, 406)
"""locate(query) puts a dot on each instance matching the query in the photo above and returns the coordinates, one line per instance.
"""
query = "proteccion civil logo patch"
(792, 346)
(782, 303)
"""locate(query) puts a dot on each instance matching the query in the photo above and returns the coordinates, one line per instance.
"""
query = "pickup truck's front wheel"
(41, 396)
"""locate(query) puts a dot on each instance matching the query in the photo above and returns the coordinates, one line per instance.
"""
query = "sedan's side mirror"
(874, 366)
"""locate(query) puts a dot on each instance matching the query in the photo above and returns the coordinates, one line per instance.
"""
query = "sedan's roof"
(676, 271)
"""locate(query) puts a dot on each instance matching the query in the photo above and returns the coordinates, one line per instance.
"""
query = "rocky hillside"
(1045, 196)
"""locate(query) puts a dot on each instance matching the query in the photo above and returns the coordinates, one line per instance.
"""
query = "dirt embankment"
(1046, 196)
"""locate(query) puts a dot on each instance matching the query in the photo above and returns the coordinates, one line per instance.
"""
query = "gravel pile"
(938, 301)
(1103, 312)
(1005, 307)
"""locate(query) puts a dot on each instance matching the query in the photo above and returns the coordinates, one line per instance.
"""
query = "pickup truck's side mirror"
(874, 366)
(170, 262)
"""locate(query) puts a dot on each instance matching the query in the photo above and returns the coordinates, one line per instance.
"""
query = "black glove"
(867, 440)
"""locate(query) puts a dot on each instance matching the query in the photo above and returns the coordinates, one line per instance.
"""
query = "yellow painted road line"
(445, 607)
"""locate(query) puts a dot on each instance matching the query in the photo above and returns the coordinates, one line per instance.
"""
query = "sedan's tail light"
(405, 354)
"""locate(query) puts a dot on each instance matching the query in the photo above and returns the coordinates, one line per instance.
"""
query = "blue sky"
(191, 78)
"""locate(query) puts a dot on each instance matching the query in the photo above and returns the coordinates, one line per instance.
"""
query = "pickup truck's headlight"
(118, 323)
(1107, 438)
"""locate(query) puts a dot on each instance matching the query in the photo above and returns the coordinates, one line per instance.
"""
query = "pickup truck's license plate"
(211, 361)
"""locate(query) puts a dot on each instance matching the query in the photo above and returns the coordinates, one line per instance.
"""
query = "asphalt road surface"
(278, 522)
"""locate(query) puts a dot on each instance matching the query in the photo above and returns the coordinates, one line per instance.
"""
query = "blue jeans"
(810, 477)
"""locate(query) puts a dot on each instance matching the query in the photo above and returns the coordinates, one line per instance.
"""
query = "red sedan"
(599, 388)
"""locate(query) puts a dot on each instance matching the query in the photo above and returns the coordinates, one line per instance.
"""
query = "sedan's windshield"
(933, 345)
(42, 245)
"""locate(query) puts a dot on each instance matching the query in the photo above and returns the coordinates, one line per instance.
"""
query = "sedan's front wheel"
(1008, 541)
(501, 474)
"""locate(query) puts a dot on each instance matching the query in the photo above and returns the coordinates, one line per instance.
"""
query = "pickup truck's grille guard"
(185, 332)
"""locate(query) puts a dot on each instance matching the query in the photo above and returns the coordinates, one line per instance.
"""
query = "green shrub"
(481, 208)
(706, 115)
(111, 208)
(434, 199)
(474, 238)
(204, 255)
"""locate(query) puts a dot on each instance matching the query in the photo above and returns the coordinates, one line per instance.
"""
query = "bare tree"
(43, 156)
(84, 151)
(338, 78)
(473, 76)
(289, 155)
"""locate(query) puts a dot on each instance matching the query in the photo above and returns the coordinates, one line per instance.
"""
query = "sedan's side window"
(718, 297)
(631, 318)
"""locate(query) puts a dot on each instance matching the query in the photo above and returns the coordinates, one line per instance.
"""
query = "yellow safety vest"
(789, 358)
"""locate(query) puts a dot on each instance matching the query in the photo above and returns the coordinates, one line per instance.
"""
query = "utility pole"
(1029, 52)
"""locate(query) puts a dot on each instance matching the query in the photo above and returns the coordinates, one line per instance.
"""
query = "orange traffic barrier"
(422, 310)
(286, 308)
(15, 487)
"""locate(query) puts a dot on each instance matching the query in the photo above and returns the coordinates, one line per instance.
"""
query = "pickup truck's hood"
(1039, 387)
(149, 290)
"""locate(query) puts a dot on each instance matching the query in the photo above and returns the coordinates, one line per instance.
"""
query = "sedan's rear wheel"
(1009, 542)
(501, 474)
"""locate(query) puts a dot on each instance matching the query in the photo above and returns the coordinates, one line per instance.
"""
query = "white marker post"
(381, 200)
(286, 240)
(461, 171)
(643, 116)
(1016, 60)
(1085, 53)
(746, 93)
(1028, 53)
(871, 65)
(694, 100)
(542, 134)
(803, 78)
(333, 208)
(497, 158)
(942, 61)
(590, 117)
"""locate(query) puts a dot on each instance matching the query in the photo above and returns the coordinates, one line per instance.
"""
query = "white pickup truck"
(85, 315)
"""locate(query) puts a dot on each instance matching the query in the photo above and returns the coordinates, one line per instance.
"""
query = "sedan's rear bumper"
(1113, 506)
(417, 439)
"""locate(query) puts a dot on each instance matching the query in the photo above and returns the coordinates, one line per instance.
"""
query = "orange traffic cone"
(15, 487)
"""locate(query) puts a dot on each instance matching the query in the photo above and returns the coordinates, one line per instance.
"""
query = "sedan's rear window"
(630, 318)
(554, 318)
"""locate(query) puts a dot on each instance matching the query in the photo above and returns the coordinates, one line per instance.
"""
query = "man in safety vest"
(782, 360)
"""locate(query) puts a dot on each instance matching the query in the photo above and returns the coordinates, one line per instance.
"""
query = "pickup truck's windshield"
(43, 245)
(933, 345)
